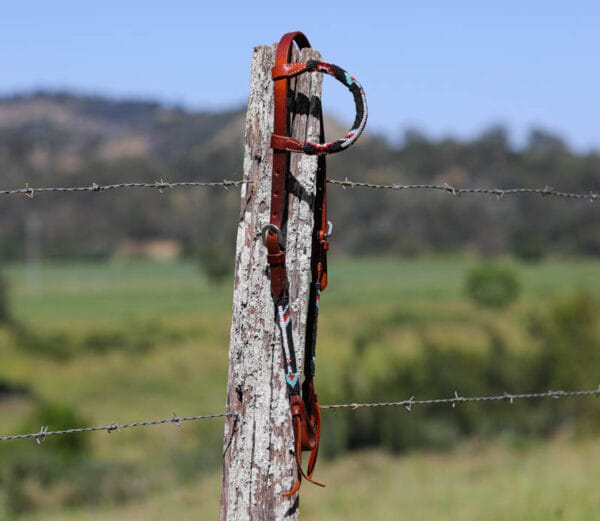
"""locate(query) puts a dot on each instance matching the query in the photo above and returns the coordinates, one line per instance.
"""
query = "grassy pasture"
(551, 481)
(170, 328)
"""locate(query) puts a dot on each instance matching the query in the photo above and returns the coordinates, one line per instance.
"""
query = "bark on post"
(258, 444)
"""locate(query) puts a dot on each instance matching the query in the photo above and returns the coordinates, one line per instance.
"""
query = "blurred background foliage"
(56, 139)
(116, 306)
(124, 341)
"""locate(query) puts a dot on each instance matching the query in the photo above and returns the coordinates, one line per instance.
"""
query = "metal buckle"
(273, 229)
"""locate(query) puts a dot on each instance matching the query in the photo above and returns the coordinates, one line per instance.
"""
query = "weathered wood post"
(258, 444)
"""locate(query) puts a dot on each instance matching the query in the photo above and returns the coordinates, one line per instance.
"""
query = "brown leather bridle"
(304, 406)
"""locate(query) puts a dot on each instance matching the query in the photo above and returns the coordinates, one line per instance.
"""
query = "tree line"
(53, 139)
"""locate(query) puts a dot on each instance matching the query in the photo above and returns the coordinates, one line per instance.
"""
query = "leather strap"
(286, 143)
(281, 126)
(304, 406)
(320, 246)
(304, 434)
(287, 70)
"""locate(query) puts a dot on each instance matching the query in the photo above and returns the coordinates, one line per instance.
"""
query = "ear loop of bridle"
(290, 70)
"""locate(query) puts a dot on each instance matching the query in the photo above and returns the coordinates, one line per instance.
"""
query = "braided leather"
(280, 141)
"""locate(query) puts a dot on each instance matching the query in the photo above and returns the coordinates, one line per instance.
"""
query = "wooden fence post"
(258, 461)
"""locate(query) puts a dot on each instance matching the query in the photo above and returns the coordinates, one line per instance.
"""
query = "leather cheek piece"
(280, 123)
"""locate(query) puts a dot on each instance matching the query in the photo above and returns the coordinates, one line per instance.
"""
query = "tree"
(493, 285)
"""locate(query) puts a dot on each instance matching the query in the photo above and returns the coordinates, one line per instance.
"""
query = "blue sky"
(443, 67)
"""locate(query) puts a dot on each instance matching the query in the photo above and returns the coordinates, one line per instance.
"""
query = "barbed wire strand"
(177, 420)
(346, 183)
(457, 399)
(94, 187)
(497, 192)
(407, 404)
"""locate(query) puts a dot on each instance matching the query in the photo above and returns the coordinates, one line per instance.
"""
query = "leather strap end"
(287, 70)
(286, 143)
(323, 280)
(278, 275)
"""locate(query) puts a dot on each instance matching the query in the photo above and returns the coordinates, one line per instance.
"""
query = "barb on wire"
(457, 399)
(44, 433)
(161, 185)
(94, 187)
(454, 401)
(498, 192)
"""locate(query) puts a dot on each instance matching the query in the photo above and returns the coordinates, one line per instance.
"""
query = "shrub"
(9, 389)
(564, 355)
(570, 340)
(33, 476)
(216, 261)
(37, 480)
(58, 346)
(527, 247)
(493, 285)
(5, 314)
(57, 417)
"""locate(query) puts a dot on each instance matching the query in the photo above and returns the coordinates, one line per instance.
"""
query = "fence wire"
(457, 399)
(346, 183)
(454, 401)
(177, 420)
(94, 187)
(497, 192)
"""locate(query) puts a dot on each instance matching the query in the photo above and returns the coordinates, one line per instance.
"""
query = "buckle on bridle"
(273, 229)
(323, 236)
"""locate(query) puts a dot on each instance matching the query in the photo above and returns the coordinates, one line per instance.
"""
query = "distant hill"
(64, 131)
(59, 138)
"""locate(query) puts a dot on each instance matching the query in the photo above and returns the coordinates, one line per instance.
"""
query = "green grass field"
(84, 292)
(552, 481)
(170, 328)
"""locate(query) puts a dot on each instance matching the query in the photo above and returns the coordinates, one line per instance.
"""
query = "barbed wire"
(161, 185)
(497, 192)
(177, 420)
(454, 401)
(94, 187)
(457, 399)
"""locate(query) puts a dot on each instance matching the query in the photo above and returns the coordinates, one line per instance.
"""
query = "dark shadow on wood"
(294, 508)
(303, 105)
(296, 188)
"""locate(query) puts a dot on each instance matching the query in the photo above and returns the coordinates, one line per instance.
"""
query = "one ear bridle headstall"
(306, 417)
